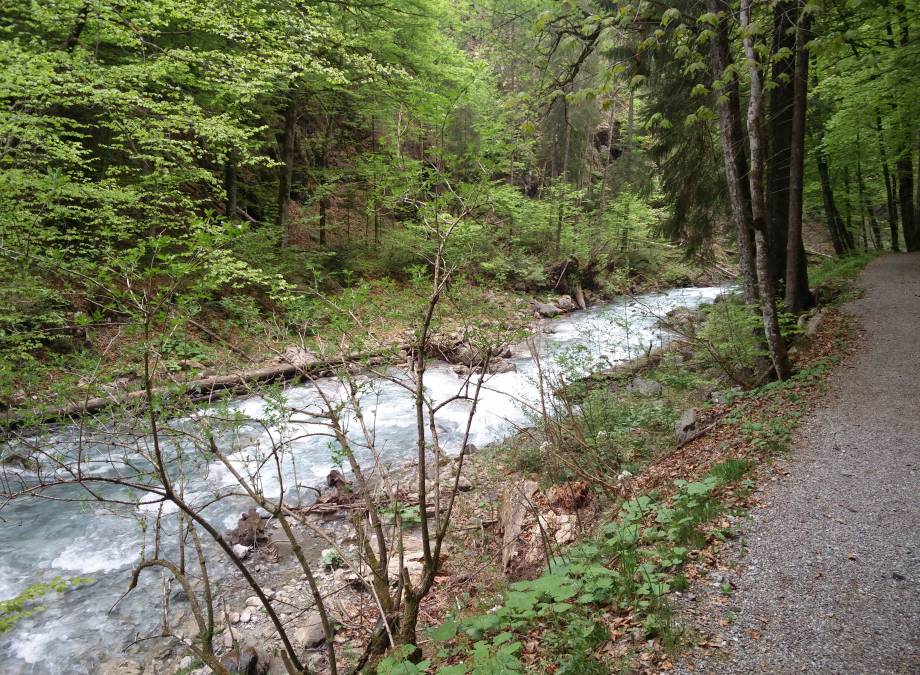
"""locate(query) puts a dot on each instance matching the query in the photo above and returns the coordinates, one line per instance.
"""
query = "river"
(43, 539)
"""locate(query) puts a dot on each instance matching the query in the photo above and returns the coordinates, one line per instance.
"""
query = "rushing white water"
(41, 540)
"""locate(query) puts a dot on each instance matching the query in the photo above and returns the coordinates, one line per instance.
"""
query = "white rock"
(253, 601)
(234, 617)
(240, 551)
(185, 662)
(246, 615)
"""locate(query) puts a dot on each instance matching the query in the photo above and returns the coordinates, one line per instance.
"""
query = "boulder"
(645, 387)
(683, 320)
(497, 366)
(240, 551)
(686, 426)
(310, 633)
(566, 304)
(544, 309)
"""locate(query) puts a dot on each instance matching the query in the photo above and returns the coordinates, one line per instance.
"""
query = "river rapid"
(43, 539)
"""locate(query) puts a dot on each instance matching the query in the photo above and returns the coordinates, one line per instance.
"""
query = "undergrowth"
(623, 573)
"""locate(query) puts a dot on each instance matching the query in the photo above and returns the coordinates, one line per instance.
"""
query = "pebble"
(253, 601)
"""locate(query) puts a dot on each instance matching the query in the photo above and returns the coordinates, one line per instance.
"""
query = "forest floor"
(825, 576)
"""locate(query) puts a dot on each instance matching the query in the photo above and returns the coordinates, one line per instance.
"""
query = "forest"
(283, 258)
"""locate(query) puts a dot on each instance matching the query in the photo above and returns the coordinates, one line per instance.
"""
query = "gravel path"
(830, 578)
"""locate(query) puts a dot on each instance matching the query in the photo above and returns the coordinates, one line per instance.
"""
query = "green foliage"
(398, 663)
(26, 603)
(837, 270)
(630, 567)
(731, 337)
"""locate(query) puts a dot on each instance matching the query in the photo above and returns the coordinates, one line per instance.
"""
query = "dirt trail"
(830, 577)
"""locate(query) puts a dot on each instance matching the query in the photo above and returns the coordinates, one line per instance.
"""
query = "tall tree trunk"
(866, 206)
(905, 162)
(889, 184)
(798, 295)
(782, 96)
(565, 173)
(765, 282)
(905, 168)
(734, 160)
(286, 173)
(848, 203)
(323, 202)
(602, 206)
(840, 238)
(230, 185)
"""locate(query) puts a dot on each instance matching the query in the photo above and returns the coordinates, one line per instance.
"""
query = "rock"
(19, 461)
(189, 364)
(497, 366)
(317, 663)
(686, 425)
(683, 320)
(813, 323)
(234, 617)
(297, 356)
(253, 601)
(645, 387)
(228, 639)
(240, 551)
(566, 304)
(470, 449)
(545, 309)
(122, 667)
(246, 615)
(413, 567)
(310, 634)
(185, 663)
(566, 529)
(345, 577)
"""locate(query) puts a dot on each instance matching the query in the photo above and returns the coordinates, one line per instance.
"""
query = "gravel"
(830, 572)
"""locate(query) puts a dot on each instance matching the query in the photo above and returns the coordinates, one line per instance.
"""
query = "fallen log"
(203, 389)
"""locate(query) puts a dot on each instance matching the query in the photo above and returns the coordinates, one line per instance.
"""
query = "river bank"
(115, 554)
(218, 354)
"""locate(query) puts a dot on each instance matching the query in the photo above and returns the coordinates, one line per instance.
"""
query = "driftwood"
(202, 389)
